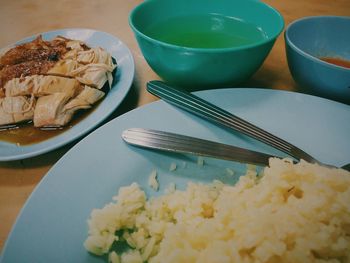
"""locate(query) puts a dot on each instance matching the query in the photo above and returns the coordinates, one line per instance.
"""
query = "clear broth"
(206, 31)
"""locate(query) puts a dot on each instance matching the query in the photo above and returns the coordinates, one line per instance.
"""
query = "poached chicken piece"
(16, 109)
(58, 109)
(48, 81)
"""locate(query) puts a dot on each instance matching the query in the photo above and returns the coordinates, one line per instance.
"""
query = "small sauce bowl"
(314, 48)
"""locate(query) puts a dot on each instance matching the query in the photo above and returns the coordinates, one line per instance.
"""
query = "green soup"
(206, 31)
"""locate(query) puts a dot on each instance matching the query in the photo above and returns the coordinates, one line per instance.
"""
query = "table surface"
(22, 18)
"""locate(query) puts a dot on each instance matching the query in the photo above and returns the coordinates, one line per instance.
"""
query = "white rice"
(293, 213)
(230, 172)
(200, 161)
(172, 167)
(153, 181)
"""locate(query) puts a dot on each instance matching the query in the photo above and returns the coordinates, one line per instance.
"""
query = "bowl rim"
(212, 50)
(302, 52)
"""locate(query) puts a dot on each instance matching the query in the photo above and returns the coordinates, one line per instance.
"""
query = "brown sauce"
(26, 133)
(337, 61)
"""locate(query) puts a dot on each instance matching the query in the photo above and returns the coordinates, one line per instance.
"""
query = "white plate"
(123, 80)
(52, 226)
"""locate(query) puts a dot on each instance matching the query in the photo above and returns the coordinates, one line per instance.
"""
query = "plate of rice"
(106, 201)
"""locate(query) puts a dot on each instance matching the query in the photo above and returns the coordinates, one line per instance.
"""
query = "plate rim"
(89, 128)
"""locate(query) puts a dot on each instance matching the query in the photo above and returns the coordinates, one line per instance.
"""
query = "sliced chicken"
(49, 110)
(92, 67)
(24, 69)
(39, 85)
(75, 44)
(36, 57)
(36, 50)
(95, 75)
(62, 57)
(58, 109)
(16, 109)
(95, 56)
(85, 99)
(64, 68)
(48, 81)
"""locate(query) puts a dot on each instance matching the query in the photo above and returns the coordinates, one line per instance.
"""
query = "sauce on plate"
(337, 61)
(26, 134)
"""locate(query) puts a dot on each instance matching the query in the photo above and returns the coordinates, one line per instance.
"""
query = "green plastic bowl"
(198, 67)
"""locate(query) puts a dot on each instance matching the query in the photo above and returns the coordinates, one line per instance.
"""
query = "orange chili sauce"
(337, 61)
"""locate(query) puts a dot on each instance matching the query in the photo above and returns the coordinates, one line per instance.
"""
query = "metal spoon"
(205, 109)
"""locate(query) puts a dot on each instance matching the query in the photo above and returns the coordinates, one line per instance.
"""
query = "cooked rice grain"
(293, 213)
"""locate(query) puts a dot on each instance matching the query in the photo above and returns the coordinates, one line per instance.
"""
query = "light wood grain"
(22, 18)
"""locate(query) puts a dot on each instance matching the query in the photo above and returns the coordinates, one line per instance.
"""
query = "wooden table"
(22, 18)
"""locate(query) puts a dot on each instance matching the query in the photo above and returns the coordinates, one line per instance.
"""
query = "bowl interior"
(155, 12)
(326, 36)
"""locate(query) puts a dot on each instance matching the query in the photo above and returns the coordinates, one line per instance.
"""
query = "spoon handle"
(205, 109)
(172, 142)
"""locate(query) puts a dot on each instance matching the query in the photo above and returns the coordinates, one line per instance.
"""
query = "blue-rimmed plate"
(122, 83)
(53, 224)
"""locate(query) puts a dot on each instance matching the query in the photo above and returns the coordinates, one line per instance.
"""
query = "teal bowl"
(308, 42)
(205, 43)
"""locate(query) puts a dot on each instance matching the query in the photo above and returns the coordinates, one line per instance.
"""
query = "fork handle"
(205, 109)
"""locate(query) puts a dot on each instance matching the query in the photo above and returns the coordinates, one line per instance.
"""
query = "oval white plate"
(122, 83)
(52, 225)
